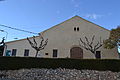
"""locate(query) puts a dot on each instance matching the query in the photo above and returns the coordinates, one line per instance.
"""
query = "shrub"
(13, 63)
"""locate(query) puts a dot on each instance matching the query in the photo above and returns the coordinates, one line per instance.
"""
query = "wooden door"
(76, 52)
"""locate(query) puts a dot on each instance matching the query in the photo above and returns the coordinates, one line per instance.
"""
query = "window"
(46, 53)
(14, 52)
(55, 52)
(26, 52)
(74, 28)
(98, 55)
(77, 28)
(8, 53)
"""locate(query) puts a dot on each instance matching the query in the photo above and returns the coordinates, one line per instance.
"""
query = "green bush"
(13, 63)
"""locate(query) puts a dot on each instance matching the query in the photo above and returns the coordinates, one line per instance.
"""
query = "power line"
(19, 29)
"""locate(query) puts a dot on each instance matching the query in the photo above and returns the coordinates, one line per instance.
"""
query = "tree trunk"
(95, 55)
(36, 54)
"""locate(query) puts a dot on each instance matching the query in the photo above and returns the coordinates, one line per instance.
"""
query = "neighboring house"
(63, 41)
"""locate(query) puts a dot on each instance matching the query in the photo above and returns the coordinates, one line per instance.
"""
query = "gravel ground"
(58, 74)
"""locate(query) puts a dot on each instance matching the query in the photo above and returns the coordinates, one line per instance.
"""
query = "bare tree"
(90, 45)
(2, 46)
(3, 41)
(35, 45)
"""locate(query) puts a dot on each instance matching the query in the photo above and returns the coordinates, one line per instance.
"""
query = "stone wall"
(58, 74)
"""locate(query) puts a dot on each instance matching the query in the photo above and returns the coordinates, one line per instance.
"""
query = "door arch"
(76, 52)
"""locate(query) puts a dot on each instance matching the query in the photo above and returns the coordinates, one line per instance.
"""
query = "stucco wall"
(63, 37)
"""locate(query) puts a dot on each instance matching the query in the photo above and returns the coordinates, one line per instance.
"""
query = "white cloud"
(93, 16)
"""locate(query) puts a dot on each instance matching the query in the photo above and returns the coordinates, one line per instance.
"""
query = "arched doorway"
(76, 52)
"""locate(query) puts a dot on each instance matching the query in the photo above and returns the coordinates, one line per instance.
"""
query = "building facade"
(63, 41)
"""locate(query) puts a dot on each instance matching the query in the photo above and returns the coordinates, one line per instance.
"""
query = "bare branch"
(43, 46)
(41, 43)
(89, 45)
(35, 43)
(87, 40)
(92, 39)
(84, 44)
(32, 45)
(98, 47)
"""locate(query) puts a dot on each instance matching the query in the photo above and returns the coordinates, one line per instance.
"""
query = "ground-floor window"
(8, 53)
(14, 51)
(55, 52)
(26, 52)
(98, 54)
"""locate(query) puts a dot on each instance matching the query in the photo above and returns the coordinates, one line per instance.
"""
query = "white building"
(63, 41)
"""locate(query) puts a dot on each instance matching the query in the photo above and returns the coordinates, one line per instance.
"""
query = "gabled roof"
(60, 24)
(73, 18)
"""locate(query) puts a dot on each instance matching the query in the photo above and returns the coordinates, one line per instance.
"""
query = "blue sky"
(39, 15)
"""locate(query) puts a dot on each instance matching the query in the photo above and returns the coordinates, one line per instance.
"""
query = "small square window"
(46, 53)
